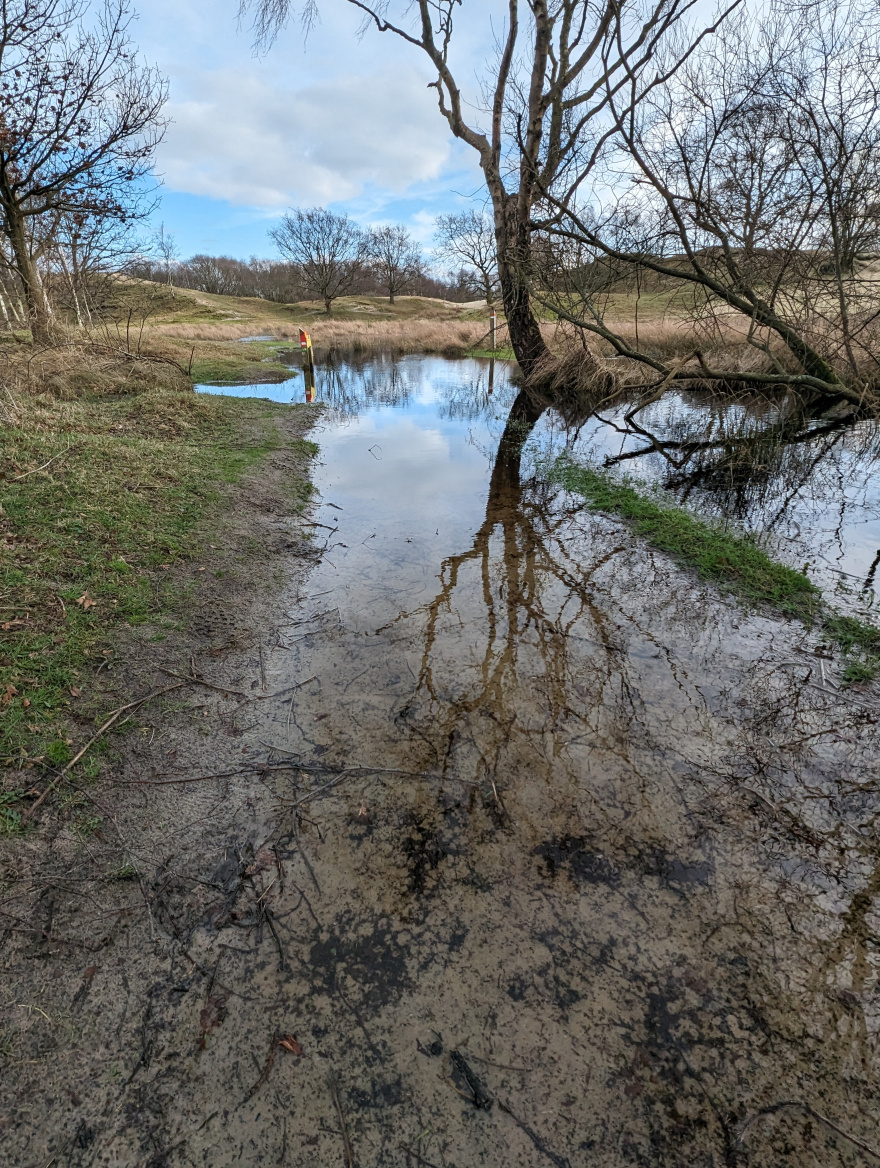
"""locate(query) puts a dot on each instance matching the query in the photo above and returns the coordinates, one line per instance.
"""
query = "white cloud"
(243, 139)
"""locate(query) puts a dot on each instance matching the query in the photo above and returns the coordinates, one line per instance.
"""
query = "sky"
(337, 120)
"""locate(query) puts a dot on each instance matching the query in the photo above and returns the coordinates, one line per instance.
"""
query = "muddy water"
(524, 847)
(569, 860)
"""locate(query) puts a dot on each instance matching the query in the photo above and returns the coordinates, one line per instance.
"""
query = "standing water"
(553, 854)
(595, 845)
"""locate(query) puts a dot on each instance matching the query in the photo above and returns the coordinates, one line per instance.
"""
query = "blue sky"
(340, 120)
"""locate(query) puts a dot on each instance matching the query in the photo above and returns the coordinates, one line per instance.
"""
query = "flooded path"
(530, 849)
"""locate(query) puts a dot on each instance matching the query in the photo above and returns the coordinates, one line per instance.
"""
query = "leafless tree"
(217, 275)
(468, 238)
(546, 94)
(756, 186)
(165, 247)
(330, 251)
(80, 118)
(394, 259)
(82, 254)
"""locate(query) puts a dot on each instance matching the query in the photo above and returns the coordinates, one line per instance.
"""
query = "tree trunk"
(514, 272)
(72, 283)
(328, 305)
(38, 310)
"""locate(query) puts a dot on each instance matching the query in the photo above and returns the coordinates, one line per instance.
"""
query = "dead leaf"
(212, 1014)
(9, 624)
(10, 693)
(85, 601)
(262, 860)
(26, 702)
(75, 691)
(289, 1043)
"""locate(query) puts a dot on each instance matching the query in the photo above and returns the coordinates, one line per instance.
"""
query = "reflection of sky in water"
(406, 451)
(819, 504)
(290, 390)
(433, 428)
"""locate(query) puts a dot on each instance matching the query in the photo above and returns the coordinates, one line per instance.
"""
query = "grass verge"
(730, 559)
(99, 496)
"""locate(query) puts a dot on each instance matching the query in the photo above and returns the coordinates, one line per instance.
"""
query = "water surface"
(559, 807)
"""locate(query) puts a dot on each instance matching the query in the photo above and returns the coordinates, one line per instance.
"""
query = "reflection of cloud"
(244, 141)
(413, 467)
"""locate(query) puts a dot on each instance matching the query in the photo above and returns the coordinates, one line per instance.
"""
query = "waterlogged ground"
(522, 847)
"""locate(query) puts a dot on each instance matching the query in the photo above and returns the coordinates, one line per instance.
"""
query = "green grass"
(728, 558)
(498, 354)
(242, 364)
(86, 543)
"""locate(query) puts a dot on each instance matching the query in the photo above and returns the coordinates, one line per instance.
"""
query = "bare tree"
(756, 175)
(329, 250)
(545, 96)
(394, 259)
(468, 238)
(84, 250)
(80, 120)
(166, 249)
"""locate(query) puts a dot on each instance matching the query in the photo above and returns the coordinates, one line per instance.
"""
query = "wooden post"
(305, 346)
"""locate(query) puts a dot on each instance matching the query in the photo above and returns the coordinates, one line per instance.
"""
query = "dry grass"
(75, 370)
(358, 336)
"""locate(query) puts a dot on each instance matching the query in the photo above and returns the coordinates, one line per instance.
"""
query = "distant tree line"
(327, 256)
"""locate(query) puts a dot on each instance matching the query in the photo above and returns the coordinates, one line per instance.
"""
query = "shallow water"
(555, 806)
(808, 488)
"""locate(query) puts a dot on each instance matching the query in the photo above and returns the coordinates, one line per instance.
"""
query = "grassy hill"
(203, 331)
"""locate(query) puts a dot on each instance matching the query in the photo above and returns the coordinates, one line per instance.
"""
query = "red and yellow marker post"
(305, 347)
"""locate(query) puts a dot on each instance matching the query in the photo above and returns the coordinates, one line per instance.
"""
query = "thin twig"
(559, 1161)
(219, 688)
(36, 469)
(322, 789)
(816, 1115)
(63, 773)
(266, 1071)
(176, 782)
(349, 1158)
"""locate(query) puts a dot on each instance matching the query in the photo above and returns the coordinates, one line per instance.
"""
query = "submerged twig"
(266, 1071)
(559, 1161)
(349, 1158)
(817, 1115)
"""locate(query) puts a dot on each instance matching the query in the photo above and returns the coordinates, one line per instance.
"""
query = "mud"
(524, 847)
